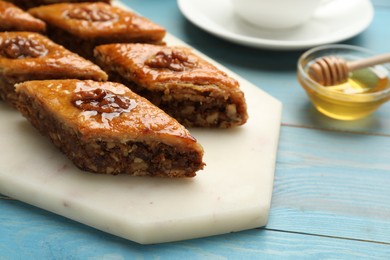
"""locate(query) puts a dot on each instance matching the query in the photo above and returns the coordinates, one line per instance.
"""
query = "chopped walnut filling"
(175, 60)
(102, 101)
(90, 13)
(21, 47)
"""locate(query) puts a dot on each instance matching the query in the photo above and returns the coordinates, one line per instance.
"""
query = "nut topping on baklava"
(90, 13)
(181, 83)
(172, 59)
(29, 56)
(21, 47)
(102, 101)
(104, 127)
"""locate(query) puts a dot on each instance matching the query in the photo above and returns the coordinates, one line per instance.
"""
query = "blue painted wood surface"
(331, 195)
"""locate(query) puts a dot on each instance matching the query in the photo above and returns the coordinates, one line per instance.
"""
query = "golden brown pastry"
(28, 56)
(104, 127)
(181, 83)
(33, 3)
(13, 18)
(80, 27)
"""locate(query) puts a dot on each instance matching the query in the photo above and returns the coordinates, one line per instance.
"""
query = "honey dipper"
(333, 70)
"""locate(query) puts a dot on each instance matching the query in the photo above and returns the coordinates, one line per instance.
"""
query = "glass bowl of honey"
(363, 92)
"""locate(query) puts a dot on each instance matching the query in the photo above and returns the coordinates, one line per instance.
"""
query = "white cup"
(276, 14)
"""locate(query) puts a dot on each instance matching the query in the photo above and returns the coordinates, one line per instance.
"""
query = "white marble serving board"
(232, 193)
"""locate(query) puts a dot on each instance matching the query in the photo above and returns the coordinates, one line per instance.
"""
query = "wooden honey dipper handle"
(332, 70)
(368, 62)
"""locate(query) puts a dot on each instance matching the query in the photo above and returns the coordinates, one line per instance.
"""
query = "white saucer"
(335, 21)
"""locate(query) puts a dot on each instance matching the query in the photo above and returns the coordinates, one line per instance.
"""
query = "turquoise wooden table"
(331, 196)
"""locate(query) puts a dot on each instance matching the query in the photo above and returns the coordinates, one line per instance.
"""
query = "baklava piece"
(30, 56)
(181, 83)
(104, 127)
(13, 18)
(81, 27)
(25, 4)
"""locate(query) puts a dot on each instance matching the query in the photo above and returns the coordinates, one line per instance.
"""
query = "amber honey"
(361, 95)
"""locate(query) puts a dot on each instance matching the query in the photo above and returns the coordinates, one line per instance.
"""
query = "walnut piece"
(175, 60)
(21, 47)
(90, 13)
(102, 101)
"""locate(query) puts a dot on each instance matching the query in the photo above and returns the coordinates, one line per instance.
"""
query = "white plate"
(335, 21)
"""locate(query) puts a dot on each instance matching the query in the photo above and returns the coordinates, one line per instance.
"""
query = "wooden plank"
(381, 3)
(332, 184)
(30, 233)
